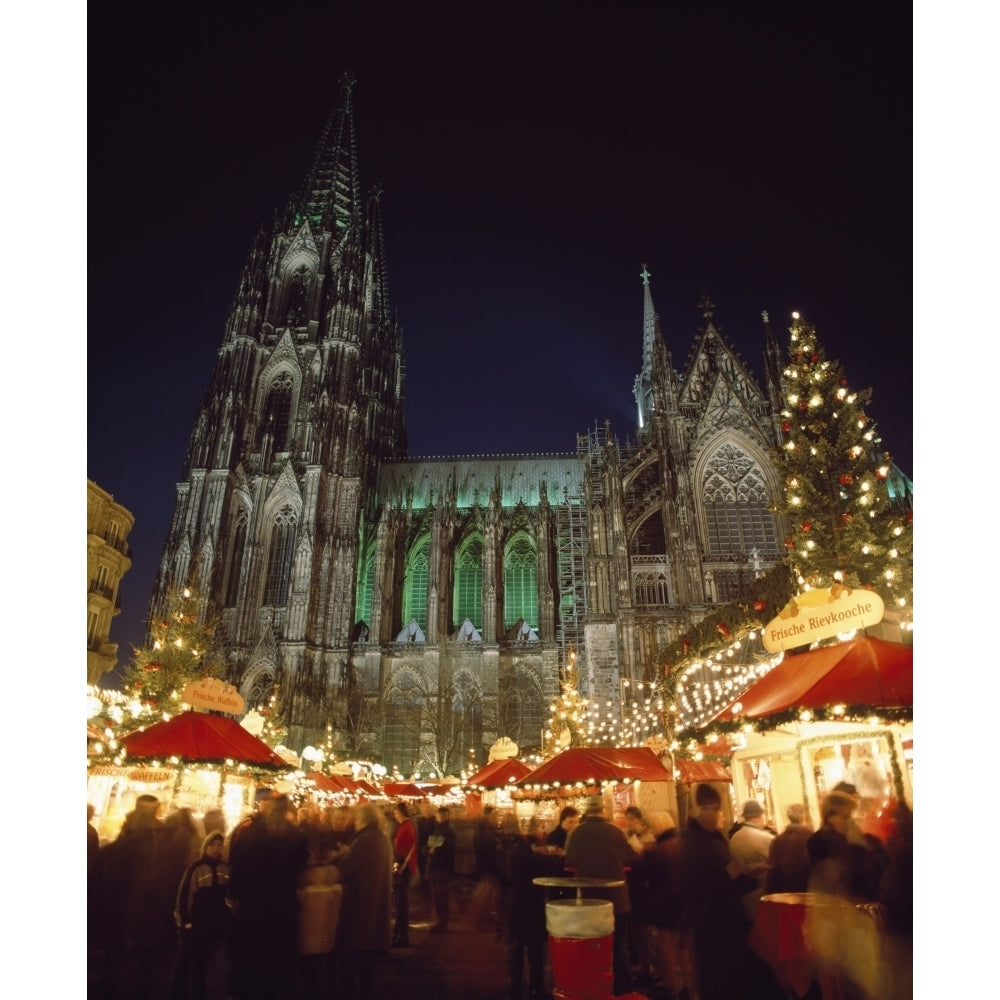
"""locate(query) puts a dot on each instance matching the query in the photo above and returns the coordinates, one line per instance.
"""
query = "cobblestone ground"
(469, 962)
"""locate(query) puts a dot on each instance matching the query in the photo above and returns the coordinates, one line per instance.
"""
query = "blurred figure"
(713, 884)
(526, 930)
(440, 868)
(658, 905)
(93, 839)
(639, 836)
(840, 855)
(266, 857)
(788, 860)
(202, 918)
(136, 899)
(341, 828)
(486, 843)
(404, 848)
(598, 849)
(214, 820)
(319, 911)
(751, 843)
(366, 872)
(637, 831)
(569, 819)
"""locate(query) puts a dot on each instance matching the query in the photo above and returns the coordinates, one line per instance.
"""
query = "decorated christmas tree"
(180, 650)
(845, 531)
(568, 723)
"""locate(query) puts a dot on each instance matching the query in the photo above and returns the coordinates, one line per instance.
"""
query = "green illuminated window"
(366, 587)
(416, 584)
(469, 582)
(520, 579)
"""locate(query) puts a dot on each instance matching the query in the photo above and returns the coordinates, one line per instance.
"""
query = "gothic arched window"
(520, 582)
(298, 295)
(416, 584)
(277, 410)
(279, 558)
(736, 501)
(403, 708)
(522, 717)
(366, 587)
(467, 720)
(468, 598)
(236, 561)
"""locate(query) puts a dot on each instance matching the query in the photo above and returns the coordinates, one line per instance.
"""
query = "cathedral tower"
(304, 404)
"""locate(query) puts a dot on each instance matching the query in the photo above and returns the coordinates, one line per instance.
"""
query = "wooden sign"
(212, 693)
(821, 614)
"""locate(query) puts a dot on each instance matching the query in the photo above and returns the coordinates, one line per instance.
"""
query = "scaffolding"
(571, 550)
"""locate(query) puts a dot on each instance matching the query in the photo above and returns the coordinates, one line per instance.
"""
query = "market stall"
(624, 776)
(492, 784)
(837, 713)
(194, 759)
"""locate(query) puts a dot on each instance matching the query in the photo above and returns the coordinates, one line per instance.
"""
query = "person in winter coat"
(788, 860)
(713, 884)
(202, 918)
(598, 849)
(404, 847)
(366, 873)
(751, 843)
(441, 867)
(658, 905)
(527, 934)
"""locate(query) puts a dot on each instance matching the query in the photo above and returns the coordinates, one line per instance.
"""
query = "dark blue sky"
(533, 157)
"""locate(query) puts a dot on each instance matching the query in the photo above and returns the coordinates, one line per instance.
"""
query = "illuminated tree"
(845, 528)
(568, 724)
(180, 649)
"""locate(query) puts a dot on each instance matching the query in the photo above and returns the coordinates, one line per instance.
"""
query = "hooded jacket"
(201, 896)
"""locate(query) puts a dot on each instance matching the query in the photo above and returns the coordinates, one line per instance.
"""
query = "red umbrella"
(499, 774)
(596, 764)
(201, 738)
(858, 672)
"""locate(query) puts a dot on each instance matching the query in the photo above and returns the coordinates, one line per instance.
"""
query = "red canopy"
(499, 774)
(403, 790)
(597, 764)
(201, 738)
(858, 672)
(692, 771)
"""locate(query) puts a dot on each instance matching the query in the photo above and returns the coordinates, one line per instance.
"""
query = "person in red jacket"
(404, 848)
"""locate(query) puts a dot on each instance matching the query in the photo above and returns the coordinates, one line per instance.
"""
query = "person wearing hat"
(202, 917)
(712, 885)
(751, 843)
(598, 849)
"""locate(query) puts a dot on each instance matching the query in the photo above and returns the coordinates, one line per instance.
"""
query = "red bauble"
(846, 518)
(723, 631)
(847, 479)
(815, 358)
(842, 381)
(803, 405)
(789, 543)
(807, 526)
(786, 426)
(759, 605)
(686, 644)
(153, 666)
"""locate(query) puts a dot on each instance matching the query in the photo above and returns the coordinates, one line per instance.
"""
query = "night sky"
(533, 157)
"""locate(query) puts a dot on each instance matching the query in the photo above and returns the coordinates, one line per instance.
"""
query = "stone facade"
(426, 607)
(108, 559)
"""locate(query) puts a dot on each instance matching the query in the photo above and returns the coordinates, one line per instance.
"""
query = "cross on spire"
(645, 275)
(707, 307)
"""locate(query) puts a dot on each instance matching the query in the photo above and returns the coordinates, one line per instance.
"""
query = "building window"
(277, 410)
(236, 562)
(467, 719)
(279, 559)
(298, 295)
(736, 501)
(113, 534)
(92, 619)
(402, 725)
(416, 585)
(468, 601)
(520, 582)
(521, 714)
(366, 587)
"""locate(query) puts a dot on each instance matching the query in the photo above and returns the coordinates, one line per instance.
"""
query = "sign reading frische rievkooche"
(821, 614)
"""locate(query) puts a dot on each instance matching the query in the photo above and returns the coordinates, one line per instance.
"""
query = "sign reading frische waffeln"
(210, 692)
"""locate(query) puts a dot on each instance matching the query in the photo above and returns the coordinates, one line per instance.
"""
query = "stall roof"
(860, 671)
(693, 771)
(597, 764)
(199, 737)
(499, 774)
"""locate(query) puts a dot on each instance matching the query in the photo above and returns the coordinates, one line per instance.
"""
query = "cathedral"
(420, 609)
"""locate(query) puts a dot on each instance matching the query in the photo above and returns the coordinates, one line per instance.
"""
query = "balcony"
(100, 589)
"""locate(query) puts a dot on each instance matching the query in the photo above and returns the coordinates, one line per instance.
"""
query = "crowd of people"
(300, 902)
